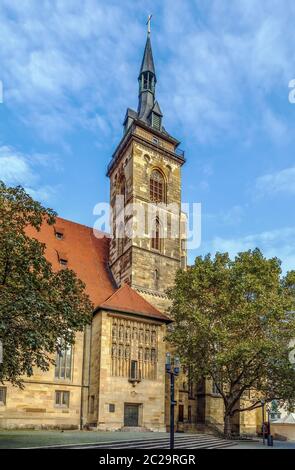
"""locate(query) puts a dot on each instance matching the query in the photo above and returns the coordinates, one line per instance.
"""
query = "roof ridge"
(109, 298)
(81, 225)
(134, 302)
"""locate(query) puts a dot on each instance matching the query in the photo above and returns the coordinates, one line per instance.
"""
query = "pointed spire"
(147, 64)
(147, 79)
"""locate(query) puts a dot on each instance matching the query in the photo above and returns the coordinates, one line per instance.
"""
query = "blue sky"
(69, 71)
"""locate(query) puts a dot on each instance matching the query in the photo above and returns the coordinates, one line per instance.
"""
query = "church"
(113, 377)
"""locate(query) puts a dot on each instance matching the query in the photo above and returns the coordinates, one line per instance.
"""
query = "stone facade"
(111, 386)
(132, 258)
(35, 406)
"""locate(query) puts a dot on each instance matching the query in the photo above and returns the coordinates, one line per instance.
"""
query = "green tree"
(38, 307)
(234, 323)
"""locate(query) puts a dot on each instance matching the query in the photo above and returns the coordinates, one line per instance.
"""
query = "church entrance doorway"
(131, 415)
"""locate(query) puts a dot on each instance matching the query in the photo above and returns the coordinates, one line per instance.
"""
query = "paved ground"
(17, 439)
(259, 445)
(21, 439)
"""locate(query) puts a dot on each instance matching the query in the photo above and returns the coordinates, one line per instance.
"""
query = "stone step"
(181, 442)
(183, 437)
(134, 429)
(138, 442)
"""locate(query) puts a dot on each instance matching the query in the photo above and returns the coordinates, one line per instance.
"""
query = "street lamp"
(269, 436)
(263, 425)
(173, 371)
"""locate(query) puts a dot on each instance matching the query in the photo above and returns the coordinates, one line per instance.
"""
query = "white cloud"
(225, 60)
(14, 168)
(273, 243)
(19, 169)
(63, 61)
(280, 182)
(69, 65)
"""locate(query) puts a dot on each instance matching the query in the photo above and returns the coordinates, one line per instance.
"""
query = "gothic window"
(63, 362)
(127, 352)
(141, 335)
(127, 334)
(147, 354)
(134, 346)
(121, 332)
(156, 235)
(153, 355)
(123, 188)
(114, 332)
(157, 187)
(114, 350)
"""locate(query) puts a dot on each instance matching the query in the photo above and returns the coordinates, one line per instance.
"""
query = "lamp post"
(263, 426)
(173, 371)
(269, 436)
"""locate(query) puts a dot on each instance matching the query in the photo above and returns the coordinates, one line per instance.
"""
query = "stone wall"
(34, 406)
(116, 390)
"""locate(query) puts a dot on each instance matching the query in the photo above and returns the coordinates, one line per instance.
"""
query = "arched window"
(156, 235)
(157, 187)
(122, 188)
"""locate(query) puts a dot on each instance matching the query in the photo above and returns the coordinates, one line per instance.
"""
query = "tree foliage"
(38, 307)
(234, 323)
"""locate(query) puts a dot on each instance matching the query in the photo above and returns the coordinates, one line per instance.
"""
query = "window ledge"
(134, 381)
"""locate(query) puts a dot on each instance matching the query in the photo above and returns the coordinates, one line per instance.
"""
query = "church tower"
(148, 243)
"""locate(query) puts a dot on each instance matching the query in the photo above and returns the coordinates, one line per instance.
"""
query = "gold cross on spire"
(149, 24)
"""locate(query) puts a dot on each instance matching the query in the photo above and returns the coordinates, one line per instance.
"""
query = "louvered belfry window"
(156, 187)
(156, 121)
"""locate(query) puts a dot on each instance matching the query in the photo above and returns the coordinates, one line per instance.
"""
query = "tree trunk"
(227, 426)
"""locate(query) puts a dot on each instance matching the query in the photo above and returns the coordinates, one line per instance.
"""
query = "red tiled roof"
(86, 255)
(86, 252)
(125, 299)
